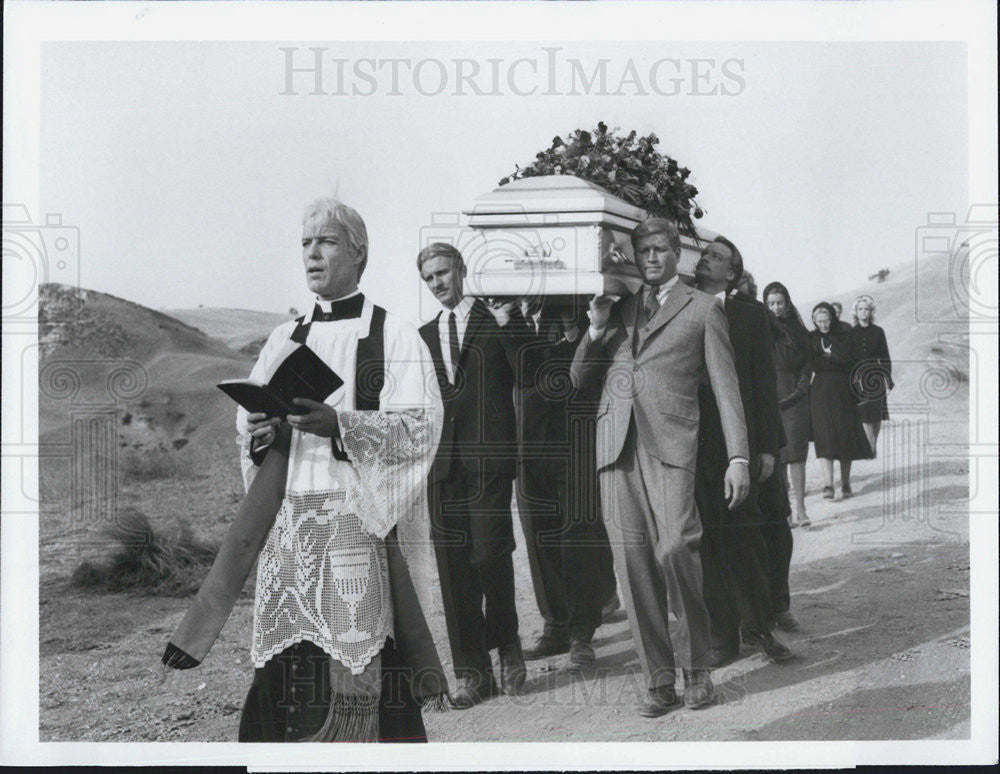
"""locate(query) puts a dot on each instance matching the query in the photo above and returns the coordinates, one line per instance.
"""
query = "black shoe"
(582, 658)
(786, 621)
(723, 656)
(547, 645)
(612, 606)
(770, 646)
(698, 691)
(474, 689)
(659, 701)
(512, 670)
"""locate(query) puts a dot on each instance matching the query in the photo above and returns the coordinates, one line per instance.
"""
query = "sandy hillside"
(880, 586)
(236, 328)
(130, 415)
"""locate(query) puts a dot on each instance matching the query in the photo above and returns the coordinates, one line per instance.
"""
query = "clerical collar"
(344, 308)
(462, 309)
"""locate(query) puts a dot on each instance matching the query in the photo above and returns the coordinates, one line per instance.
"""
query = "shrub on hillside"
(145, 560)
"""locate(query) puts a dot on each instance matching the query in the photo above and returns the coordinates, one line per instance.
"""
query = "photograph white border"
(28, 25)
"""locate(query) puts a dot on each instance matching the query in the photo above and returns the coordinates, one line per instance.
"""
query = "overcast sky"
(186, 169)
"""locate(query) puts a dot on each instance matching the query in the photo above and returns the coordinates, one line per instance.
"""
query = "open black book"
(301, 374)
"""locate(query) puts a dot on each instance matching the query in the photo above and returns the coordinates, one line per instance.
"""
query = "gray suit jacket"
(685, 343)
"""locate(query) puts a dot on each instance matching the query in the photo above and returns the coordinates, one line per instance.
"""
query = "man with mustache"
(474, 348)
(733, 552)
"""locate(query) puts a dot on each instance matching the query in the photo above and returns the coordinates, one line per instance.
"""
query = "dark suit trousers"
(733, 561)
(733, 556)
(652, 523)
(777, 535)
(567, 545)
(473, 534)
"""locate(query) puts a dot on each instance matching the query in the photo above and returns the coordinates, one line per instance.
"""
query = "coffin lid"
(552, 193)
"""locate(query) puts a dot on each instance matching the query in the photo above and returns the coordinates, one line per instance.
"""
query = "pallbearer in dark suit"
(557, 496)
(734, 556)
(471, 478)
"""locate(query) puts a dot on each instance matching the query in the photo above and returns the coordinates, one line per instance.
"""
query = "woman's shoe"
(845, 491)
(827, 492)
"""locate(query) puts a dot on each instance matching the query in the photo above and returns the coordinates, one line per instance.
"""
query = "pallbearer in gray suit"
(651, 350)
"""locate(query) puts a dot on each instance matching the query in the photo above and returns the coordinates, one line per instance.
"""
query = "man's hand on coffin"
(263, 429)
(320, 419)
(600, 311)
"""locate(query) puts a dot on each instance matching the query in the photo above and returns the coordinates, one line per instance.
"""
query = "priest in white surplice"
(338, 637)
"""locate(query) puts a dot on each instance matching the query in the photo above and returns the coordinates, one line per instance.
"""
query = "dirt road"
(880, 585)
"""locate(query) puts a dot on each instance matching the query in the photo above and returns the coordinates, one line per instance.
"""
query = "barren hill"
(237, 328)
(100, 352)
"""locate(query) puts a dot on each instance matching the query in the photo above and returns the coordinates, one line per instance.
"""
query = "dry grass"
(163, 564)
(153, 464)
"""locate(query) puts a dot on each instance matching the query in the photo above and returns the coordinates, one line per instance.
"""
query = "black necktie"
(453, 344)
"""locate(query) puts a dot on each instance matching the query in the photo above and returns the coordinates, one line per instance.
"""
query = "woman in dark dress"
(792, 365)
(872, 377)
(836, 426)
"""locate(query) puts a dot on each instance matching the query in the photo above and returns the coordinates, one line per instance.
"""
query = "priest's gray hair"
(335, 211)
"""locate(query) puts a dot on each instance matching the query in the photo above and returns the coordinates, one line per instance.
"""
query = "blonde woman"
(872, 376)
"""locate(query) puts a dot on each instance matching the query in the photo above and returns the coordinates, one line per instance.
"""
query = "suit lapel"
(678, 297)
(628, 312)
(433, 341)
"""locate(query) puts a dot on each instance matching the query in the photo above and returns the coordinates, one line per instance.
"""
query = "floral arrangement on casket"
(628, 166)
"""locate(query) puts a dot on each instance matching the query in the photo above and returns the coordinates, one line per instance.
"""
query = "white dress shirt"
(536, 321)
(462, 311)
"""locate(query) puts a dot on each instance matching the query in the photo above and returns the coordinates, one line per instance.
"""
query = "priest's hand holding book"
(262, 428)
(319, 419)
(295, 392)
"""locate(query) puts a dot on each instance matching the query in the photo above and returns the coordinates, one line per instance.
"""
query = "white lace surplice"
(322, 574)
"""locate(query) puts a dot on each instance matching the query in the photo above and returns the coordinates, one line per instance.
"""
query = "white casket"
(556, 235)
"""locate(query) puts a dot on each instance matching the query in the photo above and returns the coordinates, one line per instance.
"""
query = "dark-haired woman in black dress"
(836, 426)
(793, 370)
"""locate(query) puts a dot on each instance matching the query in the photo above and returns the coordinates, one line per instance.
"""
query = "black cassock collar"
(344, 309)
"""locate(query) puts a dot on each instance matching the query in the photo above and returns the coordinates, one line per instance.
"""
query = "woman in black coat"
(872, 377)
(793, 369)
(836, 426)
